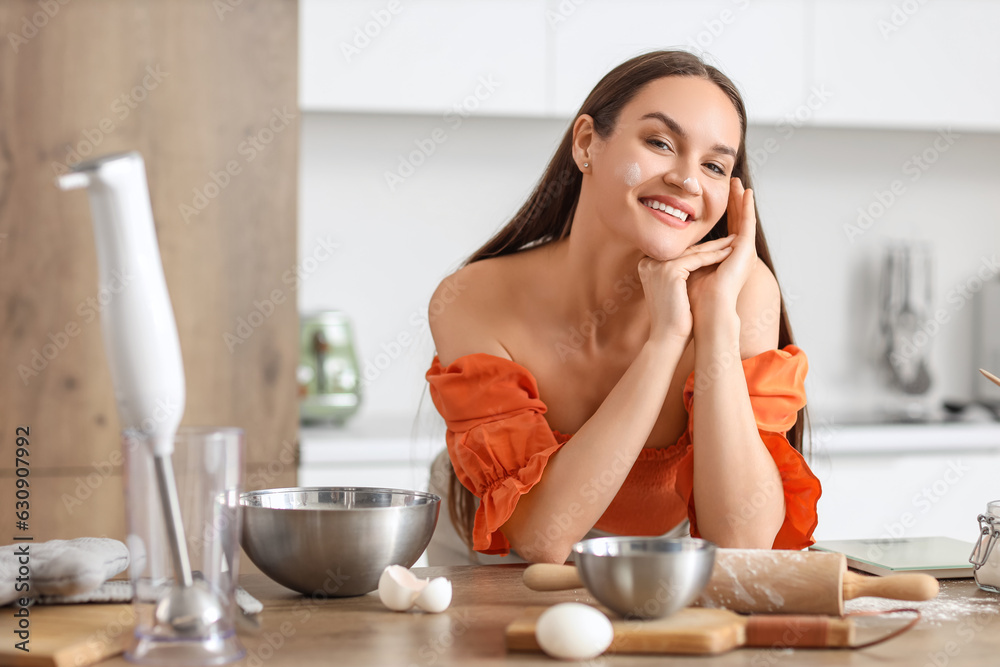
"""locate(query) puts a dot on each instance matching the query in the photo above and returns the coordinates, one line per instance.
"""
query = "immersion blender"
(144, 353)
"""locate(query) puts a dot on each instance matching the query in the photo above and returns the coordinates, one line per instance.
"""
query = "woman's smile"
(669, 210)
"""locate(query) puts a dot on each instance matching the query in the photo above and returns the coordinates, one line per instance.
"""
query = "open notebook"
(941, 557)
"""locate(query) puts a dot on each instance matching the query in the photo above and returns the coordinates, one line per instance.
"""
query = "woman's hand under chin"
(665, 284)
(713, 290)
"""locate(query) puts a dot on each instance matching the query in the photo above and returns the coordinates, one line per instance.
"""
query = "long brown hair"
(547, 215)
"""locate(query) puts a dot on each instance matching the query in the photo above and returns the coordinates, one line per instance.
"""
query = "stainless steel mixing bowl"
(335, 541)
(645, 577)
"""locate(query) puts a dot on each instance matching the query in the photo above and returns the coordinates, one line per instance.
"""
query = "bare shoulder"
(463, 311)
(759, 310)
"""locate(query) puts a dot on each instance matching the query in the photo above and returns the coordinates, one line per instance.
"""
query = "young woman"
(618, 357)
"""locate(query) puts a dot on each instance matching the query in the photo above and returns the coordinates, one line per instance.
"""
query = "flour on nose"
(632, 174)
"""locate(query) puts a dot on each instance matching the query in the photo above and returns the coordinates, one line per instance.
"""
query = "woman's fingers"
(697, 260)
(749, 226)
(690, 260)
(708, 246)
(734, 209)
(703, 254)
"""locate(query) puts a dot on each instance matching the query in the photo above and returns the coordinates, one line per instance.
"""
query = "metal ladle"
(143, 350)
(905, 273)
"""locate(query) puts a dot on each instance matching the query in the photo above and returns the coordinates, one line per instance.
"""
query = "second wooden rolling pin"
(762, 580)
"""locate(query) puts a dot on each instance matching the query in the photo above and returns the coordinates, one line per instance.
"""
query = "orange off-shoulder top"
(499, 442)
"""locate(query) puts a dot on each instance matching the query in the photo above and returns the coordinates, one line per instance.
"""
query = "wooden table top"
(961, 628)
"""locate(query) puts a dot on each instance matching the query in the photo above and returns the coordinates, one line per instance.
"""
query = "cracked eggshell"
(436, 596)
(398, 588)
(573, 631)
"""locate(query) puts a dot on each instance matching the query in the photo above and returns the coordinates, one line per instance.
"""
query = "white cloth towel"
(76, 571)
(121, 591)
(59, 567)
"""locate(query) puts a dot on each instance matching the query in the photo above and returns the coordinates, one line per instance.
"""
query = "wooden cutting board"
(696, 631)
(70, 635)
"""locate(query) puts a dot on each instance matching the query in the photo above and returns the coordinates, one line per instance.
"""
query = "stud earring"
(586, 164)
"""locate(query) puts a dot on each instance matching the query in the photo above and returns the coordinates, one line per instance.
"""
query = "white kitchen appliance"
(143, 351)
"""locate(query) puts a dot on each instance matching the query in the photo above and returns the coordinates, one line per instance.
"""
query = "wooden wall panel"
(194, 91)
(64, 506)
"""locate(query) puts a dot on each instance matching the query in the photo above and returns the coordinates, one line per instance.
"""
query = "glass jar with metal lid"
(985, 556)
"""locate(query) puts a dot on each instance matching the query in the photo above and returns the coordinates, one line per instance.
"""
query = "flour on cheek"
(632, 174)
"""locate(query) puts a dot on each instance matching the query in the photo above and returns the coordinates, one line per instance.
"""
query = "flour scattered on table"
(941, 609)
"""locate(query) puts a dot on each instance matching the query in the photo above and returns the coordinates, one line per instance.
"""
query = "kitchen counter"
(298, 632)
(833, 437)
(880, 480)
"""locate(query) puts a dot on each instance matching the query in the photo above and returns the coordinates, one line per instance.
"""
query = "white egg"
(398, 588)
(573, 631)
(436, 597)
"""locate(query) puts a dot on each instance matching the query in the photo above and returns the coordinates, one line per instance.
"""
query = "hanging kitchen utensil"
(905, 301)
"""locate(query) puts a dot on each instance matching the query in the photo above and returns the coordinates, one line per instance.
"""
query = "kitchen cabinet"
(907, 65)
(914, 480)
(433, 56)
(827, 63)
(771, 81)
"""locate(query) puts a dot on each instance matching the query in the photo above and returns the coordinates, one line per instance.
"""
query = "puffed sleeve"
(498, 439)
(775, 380)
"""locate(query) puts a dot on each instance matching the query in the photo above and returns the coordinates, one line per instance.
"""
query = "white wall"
(395, 246)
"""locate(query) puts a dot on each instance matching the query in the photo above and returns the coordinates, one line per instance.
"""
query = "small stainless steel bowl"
(335, 541)
(645, 577)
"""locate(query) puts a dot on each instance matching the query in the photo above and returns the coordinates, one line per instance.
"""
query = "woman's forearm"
(738, 493)
(583, 477)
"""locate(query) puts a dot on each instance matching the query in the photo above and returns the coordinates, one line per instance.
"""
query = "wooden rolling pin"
(762, 580)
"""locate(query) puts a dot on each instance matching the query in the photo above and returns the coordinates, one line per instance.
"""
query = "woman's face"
(676, 128)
